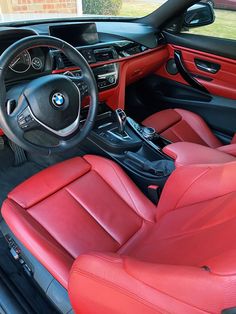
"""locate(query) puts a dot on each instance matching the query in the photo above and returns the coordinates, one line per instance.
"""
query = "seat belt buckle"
(154, 193)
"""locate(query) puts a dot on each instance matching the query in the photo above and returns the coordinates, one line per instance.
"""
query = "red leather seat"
(128, 255)
(178, 125)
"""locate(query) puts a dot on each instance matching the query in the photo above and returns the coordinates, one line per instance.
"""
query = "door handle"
(185, 74)
(206, 69)
(207, 66)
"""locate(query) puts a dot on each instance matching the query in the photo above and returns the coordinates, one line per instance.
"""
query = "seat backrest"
(197, 183)
(199, 202)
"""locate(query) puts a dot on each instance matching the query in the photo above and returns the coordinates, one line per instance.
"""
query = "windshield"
(22, 10)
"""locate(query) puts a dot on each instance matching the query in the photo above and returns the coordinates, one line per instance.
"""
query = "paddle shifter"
(121, 118)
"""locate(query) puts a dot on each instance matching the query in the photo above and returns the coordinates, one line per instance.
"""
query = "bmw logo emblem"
(58, 100)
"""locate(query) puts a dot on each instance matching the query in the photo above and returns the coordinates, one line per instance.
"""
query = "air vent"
(105, 54)
(67, 63)
(161, 39)
(88, 55)
(135, 50)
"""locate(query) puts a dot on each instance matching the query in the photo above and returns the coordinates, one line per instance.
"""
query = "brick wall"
(39, 6)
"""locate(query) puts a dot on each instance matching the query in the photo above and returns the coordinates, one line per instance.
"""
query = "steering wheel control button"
(58, 100)
(83, 87)
(25, 120)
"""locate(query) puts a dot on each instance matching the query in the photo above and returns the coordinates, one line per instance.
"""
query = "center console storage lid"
(185, 153)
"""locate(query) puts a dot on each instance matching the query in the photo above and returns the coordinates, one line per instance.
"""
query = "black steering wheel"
(50, 104)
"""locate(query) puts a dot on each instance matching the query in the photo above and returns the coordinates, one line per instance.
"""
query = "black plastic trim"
(218, 46)
(201, 77)
(229, 311)
(166, 12)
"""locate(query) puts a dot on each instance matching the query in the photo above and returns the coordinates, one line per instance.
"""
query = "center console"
(106, 76)
(136, 148)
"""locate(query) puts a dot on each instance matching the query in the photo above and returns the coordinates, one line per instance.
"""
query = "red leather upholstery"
(233, 141)
(179, 125)
(228, 149)
(182, 263)
(177, 258)
(81, 205)
(189, 153)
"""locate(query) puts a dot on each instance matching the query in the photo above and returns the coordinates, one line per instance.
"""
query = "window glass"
(20, 10)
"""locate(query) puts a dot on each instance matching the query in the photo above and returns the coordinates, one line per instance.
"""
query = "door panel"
(209, 61)
(222, 83)
(168, 88)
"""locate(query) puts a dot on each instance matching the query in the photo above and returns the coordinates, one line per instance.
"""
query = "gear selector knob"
(121, 118)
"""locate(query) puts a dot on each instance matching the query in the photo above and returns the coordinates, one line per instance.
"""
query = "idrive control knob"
(149, 133)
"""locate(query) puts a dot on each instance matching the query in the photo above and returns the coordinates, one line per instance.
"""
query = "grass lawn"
(224, 26)
(137, 8)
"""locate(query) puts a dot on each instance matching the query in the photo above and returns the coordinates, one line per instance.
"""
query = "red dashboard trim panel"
(131, 69)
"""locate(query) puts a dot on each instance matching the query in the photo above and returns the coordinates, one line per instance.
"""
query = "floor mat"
(11, 176)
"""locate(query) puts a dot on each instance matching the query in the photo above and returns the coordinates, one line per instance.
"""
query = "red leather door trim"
(223, 82)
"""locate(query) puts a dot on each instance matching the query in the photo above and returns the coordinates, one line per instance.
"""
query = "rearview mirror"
(199, 14)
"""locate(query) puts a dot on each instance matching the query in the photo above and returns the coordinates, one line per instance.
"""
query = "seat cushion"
(78, 206)
(178, 125)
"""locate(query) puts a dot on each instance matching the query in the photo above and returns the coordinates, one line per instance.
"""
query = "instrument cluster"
(28, 62)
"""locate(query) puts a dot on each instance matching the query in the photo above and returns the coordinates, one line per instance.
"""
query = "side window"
(225, 22)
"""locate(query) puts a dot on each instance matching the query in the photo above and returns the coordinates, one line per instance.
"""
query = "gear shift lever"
(121, 118)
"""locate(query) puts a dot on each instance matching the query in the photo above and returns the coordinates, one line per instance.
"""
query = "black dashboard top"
(111, 31)
(98, 42)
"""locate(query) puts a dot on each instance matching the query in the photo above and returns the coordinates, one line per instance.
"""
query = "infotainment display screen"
(76, 34)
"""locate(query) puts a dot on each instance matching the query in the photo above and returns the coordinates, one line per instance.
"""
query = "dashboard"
(109, 47)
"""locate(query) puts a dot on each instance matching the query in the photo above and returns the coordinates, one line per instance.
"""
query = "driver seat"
(114, 251)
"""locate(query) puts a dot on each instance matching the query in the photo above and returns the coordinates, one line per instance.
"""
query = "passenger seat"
(178, 125)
